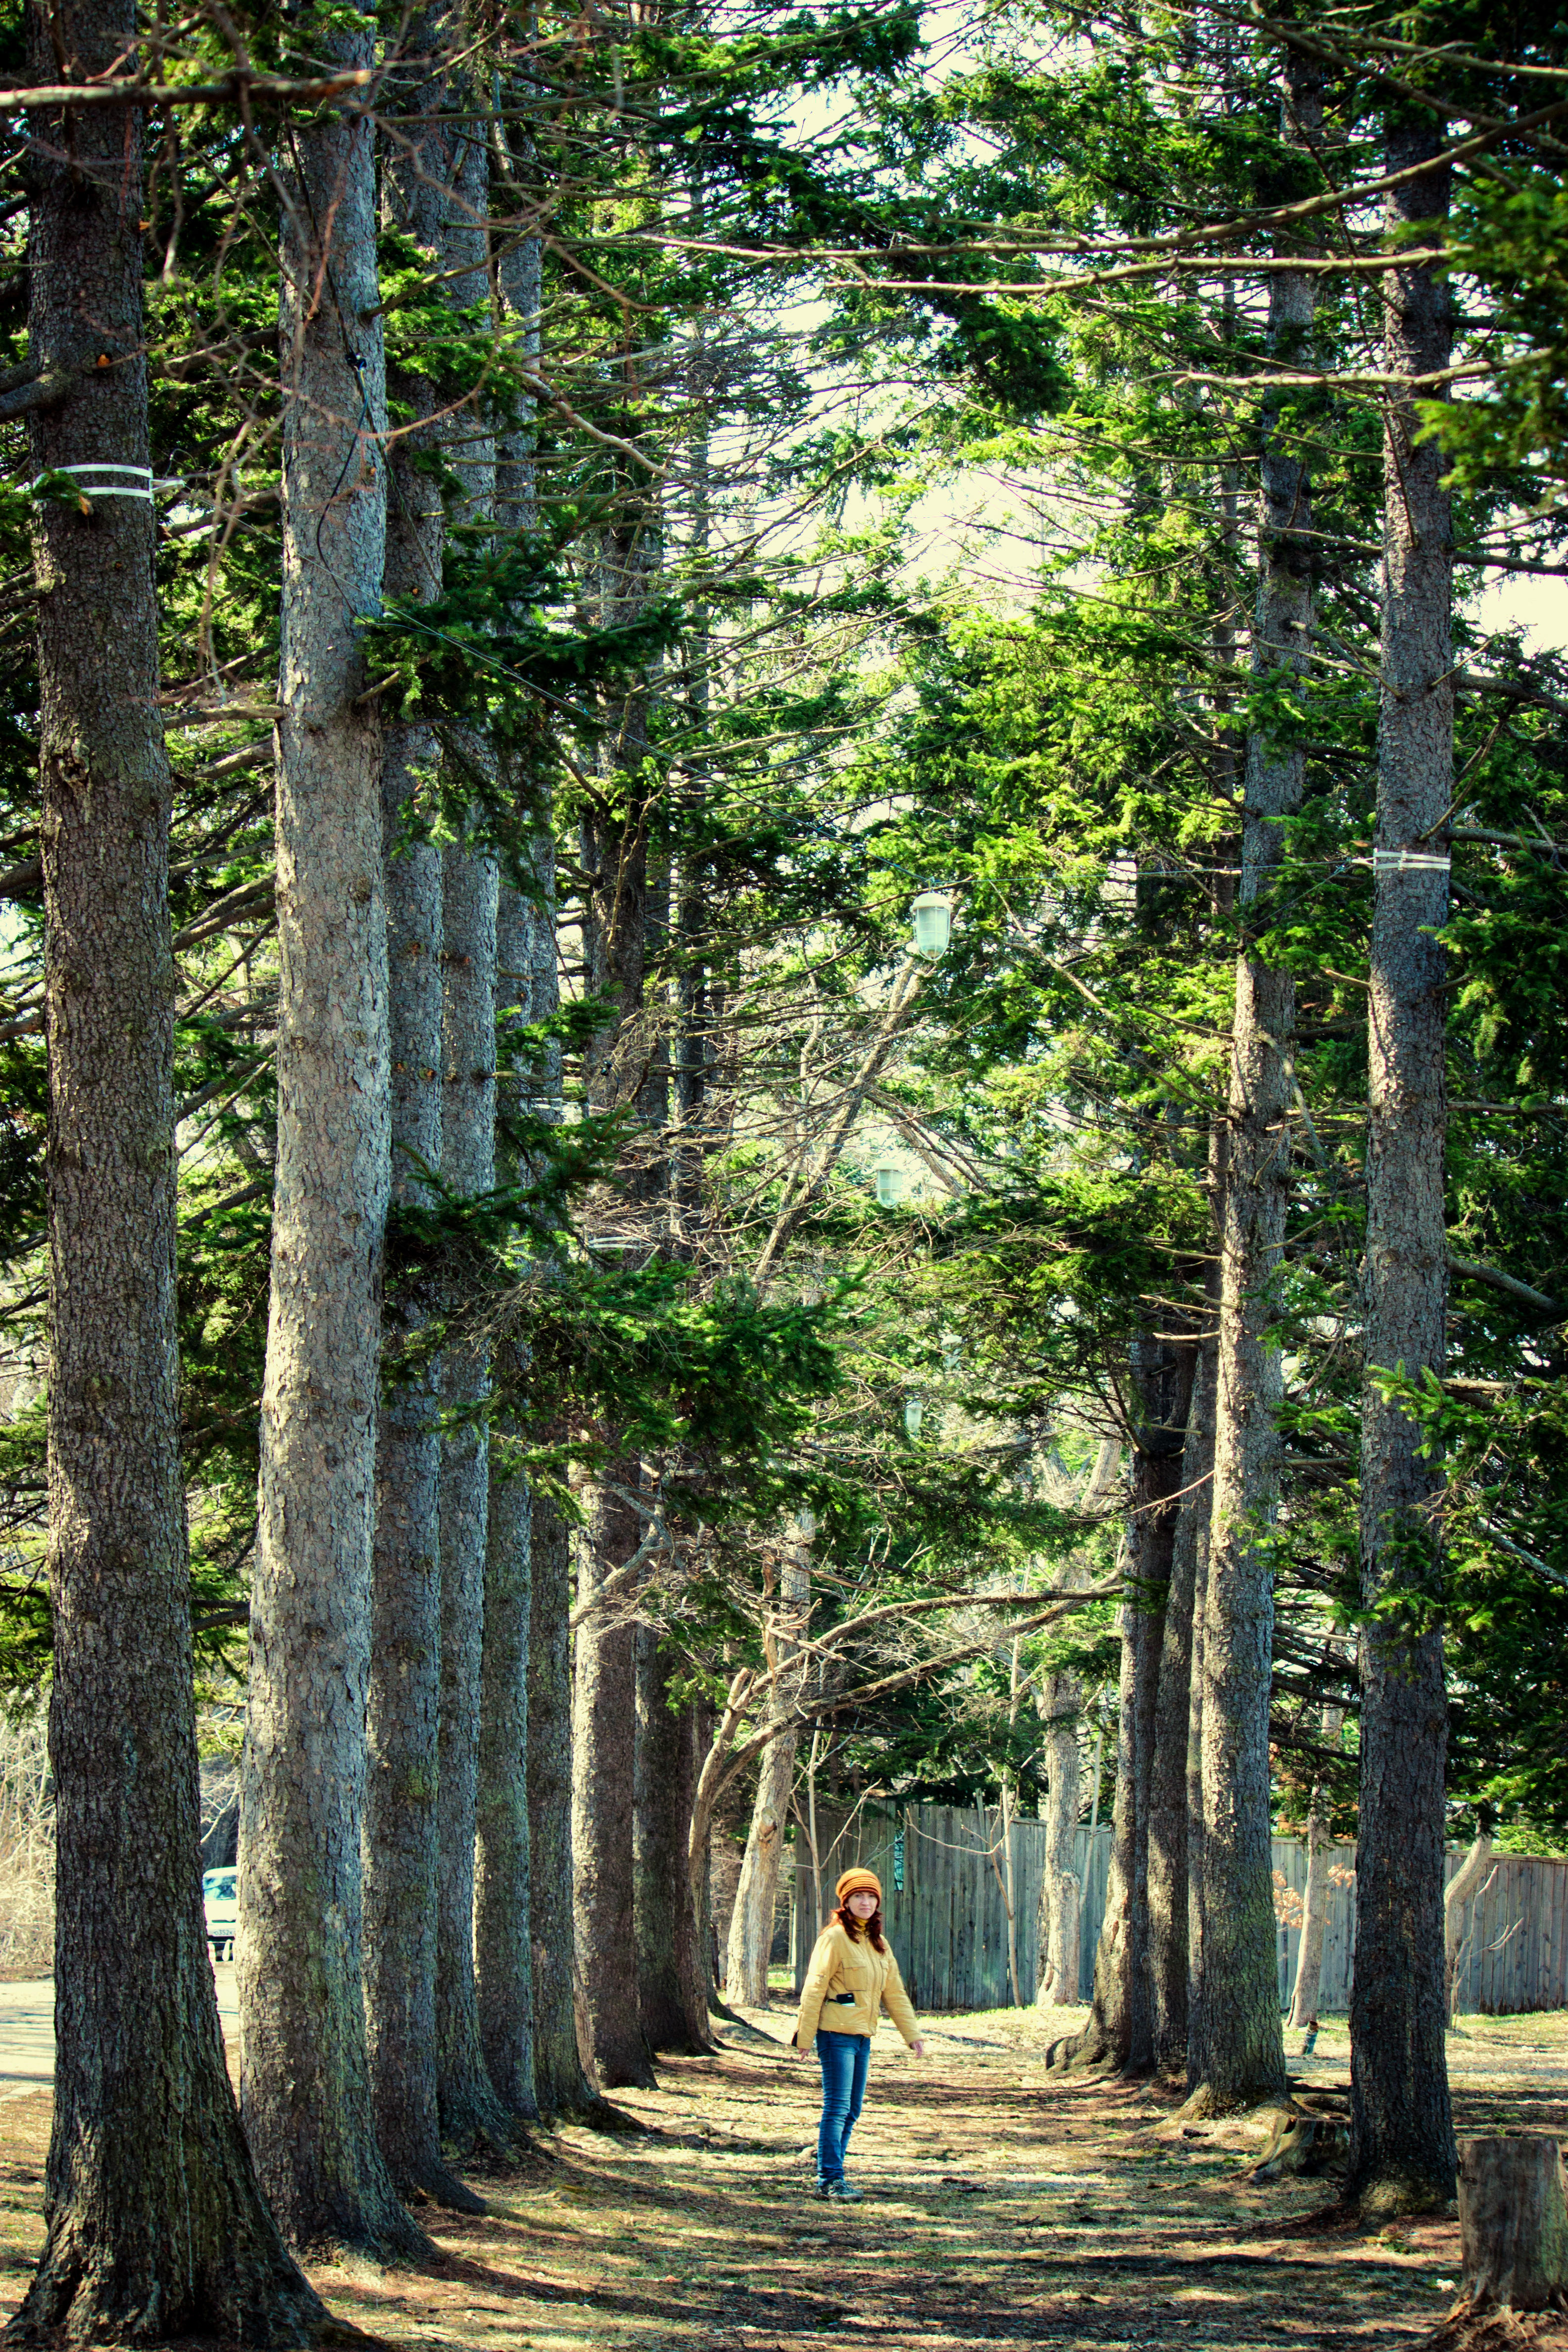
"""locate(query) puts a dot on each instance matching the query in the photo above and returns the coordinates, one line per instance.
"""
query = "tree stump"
(1513, 2222)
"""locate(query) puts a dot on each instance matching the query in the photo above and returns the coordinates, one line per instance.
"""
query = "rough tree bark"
(559, 2082)
(502, 1886)
(156, 2226)
(671, 1988)
(1168, 1793)
(1513, 2224)
(305, 2086)
(561, 2085)
(1119, 2031)
(616, 828)
(1402, 2156)
(503, 1893)
(400, 1844)
(1243, 2049)
(752, 1919)
(1199, 1501)
(604, 1800)
(1059, 1927)
(472, 2113)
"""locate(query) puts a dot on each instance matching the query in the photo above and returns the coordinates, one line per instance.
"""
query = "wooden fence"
(942, 1873)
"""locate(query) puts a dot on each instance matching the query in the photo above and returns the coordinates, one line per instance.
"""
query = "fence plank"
(949, 1925)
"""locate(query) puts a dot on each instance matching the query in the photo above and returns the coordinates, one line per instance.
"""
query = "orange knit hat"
(859, 1882)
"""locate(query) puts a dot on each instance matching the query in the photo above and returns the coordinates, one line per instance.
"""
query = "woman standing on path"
(852, 1975)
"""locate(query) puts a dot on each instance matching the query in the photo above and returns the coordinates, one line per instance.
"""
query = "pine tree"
(305, 2085)
(155, 2224)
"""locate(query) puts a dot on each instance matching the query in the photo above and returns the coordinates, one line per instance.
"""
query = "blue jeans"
(844, 2058)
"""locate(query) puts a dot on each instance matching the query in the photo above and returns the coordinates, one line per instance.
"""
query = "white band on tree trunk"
(1410, 861)
(138, 487)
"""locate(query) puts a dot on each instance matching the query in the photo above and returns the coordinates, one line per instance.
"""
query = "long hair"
(845, 1918)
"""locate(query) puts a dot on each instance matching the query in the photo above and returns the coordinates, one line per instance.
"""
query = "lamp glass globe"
(933, 923)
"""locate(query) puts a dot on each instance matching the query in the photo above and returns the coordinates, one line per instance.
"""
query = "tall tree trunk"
(1058, 1933)
(1314, 1900)
(561, 2085)
(1106, 2038)
(1244, 2050)
(156, 2226)
(752, 1919)
(502, 1904)
(503, 1959)
(503, 1895)
(1119, 2031)
(1167, 1387)
(472, 2113)
(1200, 1502)
(1168, 1797)
(401, 1843)
(603, 1805)
(619, 1061)
(559, 2082)
(1402, 2156)
(671, 1994)
(305, 2084)
(1059, 1922)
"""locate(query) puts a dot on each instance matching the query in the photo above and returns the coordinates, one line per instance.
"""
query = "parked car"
(221, 1900)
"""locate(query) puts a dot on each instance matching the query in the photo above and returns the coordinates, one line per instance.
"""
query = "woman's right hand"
(793, 2046)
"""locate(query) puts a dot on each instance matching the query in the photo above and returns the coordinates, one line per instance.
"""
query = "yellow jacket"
(841, 1964)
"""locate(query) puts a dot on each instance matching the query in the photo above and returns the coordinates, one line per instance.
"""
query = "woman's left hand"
(917, 2050)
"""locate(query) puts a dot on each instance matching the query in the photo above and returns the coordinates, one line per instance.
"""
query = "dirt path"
(999, 2205)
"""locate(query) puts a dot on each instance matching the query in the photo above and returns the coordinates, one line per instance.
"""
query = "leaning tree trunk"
(1243, 2058)
(561, 2085)
(400, 1844)
(1402, 2132)
(305, 2086)
(155, 2223)
(1465, 1884)
(752, 1919)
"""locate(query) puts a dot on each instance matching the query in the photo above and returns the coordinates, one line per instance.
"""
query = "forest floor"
(1000, 2205)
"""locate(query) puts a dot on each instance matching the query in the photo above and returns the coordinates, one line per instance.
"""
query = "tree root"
(433, 2184)
(1304, 2144)
(1487, 2328)
(1086, 2052)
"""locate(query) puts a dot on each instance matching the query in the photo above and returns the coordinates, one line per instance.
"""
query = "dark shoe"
(845, 2192)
